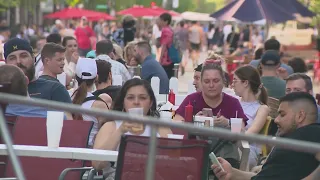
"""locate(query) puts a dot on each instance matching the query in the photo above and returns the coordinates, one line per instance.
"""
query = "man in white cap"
(57, 27)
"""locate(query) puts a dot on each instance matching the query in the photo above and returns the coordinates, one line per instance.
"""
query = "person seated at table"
(19, 52)
(254, 97)
(296, 120)
(104, 82)
(223, 106)
(135, 93)
(86, 75)
(214, 58)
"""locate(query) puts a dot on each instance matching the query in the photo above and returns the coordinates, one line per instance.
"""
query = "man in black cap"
(18, 52)
(270, 62)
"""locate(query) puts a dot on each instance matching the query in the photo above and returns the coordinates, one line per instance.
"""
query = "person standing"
(183, 35)
(165, 42)
(195, 40)
(84, 34)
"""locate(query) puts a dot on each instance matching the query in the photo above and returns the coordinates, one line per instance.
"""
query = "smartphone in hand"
(214, 160)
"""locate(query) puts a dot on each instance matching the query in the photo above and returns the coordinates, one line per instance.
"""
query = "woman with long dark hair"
(135, 93)
(254, 97)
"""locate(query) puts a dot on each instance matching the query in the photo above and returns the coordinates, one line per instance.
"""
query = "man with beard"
(296, 120)
(150, 67)
(18, 52)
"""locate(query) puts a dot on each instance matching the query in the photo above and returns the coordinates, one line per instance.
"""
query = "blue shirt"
(49, 90)
(152, 68)
(25, 111)
(43, 89)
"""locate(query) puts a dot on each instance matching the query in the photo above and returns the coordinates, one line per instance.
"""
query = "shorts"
(195, 47)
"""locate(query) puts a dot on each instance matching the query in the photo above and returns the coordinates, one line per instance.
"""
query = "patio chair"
(4, 158)
(32, 131)
(175, 159)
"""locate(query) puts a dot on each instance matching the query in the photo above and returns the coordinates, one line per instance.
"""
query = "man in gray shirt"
(275, 86)
(272, 44)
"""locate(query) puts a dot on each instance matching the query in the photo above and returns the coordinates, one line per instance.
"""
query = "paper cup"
(166, 115)
(175, 136)
(54, 128)
(236, 124)
(199, 120)
(136, 111)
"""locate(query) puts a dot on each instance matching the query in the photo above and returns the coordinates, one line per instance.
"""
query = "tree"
(5, 4)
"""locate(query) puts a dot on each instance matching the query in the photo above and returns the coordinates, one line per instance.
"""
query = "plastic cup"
(175, 136)
(136, 111)
(54, 128)
(166, 115)
(236, 125)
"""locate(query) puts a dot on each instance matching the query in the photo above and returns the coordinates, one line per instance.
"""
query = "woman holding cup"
(248, 86)
(136, 97)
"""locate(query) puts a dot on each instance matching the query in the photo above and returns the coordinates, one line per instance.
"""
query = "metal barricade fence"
(296, 145)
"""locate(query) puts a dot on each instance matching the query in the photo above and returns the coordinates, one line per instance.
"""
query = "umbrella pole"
(267, 29)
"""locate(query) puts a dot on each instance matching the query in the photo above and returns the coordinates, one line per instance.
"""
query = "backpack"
(118, 37)
(174, 51)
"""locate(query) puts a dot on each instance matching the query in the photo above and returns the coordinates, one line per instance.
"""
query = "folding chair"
(265, 131)
(32, 131)
(176, 159)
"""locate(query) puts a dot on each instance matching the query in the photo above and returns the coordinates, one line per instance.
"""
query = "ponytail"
(263, 96)
(80, 94)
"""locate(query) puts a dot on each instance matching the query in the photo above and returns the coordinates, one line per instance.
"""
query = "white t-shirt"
(156, 31)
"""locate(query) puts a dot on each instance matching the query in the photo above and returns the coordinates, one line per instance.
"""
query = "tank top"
(95, 128)
(147, 130)
(250, 110)
(194, 35)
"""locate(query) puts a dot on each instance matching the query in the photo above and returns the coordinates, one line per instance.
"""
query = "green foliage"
(5, 4)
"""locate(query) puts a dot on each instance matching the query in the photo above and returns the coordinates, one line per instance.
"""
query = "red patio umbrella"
(69, 13)
(139, 11)
(161, 10)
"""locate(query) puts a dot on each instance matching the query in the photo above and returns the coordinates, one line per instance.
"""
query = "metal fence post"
(7, 140)
(152, 154)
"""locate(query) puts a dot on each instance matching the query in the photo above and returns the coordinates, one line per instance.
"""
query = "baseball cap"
(86, 68)
(270, 58)
(91, 54)
(58, 21)
(16, 44)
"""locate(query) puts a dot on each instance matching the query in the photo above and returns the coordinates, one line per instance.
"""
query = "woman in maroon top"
(222, 105)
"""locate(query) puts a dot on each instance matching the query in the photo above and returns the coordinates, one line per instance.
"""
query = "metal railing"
(295, 145)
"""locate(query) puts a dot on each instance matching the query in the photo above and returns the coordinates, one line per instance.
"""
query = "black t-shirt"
(112, 91)
(291, 165)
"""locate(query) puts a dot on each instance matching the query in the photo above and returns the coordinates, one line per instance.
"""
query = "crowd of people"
(83, 67)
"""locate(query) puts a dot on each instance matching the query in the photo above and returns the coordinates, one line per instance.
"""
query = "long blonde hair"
(129, 51)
